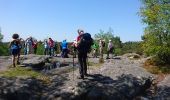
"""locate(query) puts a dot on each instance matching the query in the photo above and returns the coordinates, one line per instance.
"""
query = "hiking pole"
(73, 63)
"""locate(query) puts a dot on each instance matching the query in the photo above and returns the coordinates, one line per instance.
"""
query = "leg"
(50, 51)
(81, 65)
(85, 63)
(13, 60)
(18, 56)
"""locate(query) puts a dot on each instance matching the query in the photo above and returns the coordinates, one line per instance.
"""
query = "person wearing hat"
(109, 49)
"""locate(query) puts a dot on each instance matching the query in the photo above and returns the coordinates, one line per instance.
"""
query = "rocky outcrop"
(116, 79)
(34, 61)
(19, 89)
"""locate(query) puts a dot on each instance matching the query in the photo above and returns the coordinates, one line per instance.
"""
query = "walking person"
(14, 46)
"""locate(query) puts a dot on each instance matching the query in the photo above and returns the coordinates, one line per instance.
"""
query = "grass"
(24, 73)
(150, 66)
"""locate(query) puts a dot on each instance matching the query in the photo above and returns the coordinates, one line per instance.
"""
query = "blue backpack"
(14, 46)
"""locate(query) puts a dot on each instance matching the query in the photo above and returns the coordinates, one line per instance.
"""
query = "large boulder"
(34, 61)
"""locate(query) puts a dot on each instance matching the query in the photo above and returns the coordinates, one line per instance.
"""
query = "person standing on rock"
(14, 46)
(84, 42)
(109, 49)
(64, 46)
(74, 48)
(101, 47)
(28, 44)
(34, 46)
(46, 47)
(51, 46)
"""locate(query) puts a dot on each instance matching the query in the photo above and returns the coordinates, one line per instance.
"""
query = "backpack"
(85, 43)
(15, 45)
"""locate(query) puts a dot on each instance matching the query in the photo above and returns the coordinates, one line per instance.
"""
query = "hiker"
(64, 46)
(34, 46)
(28, 44)
(55, 48)
(84, 42)
(14, 47)
(94, 52)
(21, 45)
(74, 47)
(46, 47)
(51, 46)
(101, 47)
(110, 49)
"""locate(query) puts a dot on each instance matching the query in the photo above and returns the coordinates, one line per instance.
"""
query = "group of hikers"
(81, 46)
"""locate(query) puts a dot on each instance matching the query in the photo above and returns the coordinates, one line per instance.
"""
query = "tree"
(1, 36)
(156, 15)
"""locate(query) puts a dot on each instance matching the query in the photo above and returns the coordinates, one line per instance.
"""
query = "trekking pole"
(73, 64)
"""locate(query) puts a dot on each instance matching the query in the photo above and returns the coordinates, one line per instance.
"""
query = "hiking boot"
(80, 77)
(107, 58)
(86, 74)
(18, 62)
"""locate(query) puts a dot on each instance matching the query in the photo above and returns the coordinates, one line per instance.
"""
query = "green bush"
(4, 50)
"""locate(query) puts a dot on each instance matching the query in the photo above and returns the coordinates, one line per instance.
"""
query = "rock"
(132, 55)
(163, 89)
(34, 61)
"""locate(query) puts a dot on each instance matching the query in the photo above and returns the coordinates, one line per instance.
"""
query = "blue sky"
(60, 19)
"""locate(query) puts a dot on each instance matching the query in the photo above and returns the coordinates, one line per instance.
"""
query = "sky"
(60, 19)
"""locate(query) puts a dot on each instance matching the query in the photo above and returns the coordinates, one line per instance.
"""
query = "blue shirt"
(64, 45)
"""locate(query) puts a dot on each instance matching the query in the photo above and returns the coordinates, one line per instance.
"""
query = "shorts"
(14, 51)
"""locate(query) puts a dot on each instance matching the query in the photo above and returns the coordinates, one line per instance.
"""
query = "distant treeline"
(127, 47)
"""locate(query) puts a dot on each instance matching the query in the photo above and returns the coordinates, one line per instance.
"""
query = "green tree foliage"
(156, 15)
(4, 50)
(132, 47)
(1, 37)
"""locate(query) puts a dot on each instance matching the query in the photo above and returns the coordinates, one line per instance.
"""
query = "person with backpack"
(84, 42)
(109, 49)
(64, 46)
(51, 46)
(14, 47)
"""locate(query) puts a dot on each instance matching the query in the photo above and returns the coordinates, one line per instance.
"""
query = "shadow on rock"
(99, 87)
(30, 88)
(163, 93)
